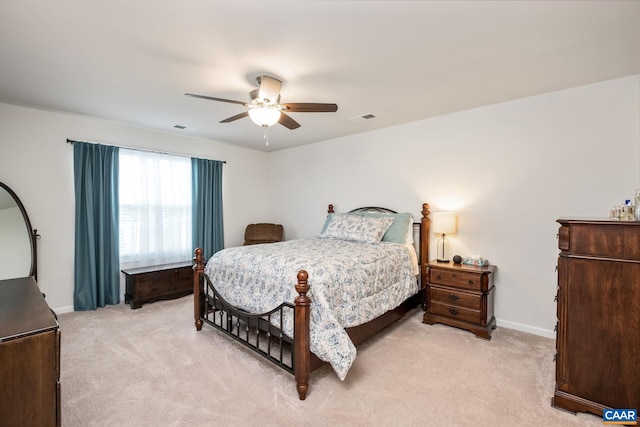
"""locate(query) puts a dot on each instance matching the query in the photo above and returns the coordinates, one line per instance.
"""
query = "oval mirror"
(17, 238)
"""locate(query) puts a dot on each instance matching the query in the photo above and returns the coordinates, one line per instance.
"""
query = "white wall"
(509, 170)
(37, 163)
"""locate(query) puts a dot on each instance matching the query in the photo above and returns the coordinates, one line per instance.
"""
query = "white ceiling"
(133, 60)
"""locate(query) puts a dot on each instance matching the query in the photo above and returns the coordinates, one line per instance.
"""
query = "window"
(155, 208)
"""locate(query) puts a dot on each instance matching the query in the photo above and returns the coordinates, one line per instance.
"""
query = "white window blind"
(155, 208)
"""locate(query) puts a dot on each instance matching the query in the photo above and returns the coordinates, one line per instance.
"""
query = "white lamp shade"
(444, 222)
(264, 116)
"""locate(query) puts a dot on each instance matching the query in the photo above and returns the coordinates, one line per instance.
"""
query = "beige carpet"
(149, 367)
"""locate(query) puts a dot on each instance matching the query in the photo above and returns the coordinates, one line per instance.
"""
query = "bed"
(304, 302)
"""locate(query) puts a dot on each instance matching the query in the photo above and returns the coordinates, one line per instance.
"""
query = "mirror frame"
(33, 233)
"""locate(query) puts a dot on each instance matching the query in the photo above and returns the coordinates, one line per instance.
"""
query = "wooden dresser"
(29, 357)
(598, 331)
(148, 284)
(461, 296)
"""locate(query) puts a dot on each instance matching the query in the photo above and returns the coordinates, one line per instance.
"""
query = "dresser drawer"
(458, 279)
(455, 297)
(617, 240)
(455, 312)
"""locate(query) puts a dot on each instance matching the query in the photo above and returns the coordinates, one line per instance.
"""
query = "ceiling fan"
(265, 109)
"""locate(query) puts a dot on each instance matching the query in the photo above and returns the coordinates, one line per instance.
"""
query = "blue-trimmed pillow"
(357, 228)
(398, 231)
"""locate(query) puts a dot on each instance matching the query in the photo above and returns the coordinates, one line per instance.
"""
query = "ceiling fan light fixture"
(264, 108)
(264, 116)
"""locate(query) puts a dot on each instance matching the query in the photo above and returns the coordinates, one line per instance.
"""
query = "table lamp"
(443, 223)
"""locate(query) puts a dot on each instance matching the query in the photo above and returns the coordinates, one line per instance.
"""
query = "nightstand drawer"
(455, 312)
(458, 279)
(455, 297)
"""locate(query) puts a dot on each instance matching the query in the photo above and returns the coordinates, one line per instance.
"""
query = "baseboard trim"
(526, 328)
(61, 310)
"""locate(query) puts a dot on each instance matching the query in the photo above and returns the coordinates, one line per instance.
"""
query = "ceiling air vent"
(363, 117)
(179, 127)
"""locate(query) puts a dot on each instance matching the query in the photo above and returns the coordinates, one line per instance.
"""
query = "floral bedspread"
(350, 284)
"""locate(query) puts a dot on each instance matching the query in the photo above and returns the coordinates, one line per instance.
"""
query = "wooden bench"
(158, 282)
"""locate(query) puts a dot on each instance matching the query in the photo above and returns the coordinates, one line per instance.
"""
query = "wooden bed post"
(301, 334)
(425, 224)
(198, 293)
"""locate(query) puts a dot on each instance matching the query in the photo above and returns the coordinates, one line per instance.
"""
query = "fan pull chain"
(266, 134)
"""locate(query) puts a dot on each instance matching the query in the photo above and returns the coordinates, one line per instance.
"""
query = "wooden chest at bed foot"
(461, 296)
(159, 282)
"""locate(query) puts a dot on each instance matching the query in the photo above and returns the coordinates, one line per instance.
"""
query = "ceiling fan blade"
(269, 90)
(236, 117)
(211, 98)
(288, 122)
(310, 107)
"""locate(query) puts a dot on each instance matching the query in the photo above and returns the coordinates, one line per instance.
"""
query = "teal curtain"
(206, 191)
(96, 270)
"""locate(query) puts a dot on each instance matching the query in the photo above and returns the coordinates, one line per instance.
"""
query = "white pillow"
(357, 228)
(409, 237)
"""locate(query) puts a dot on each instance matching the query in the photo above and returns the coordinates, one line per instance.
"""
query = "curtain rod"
(71, 141)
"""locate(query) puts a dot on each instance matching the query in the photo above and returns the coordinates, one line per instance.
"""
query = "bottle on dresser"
(637, 211)
(627, 211)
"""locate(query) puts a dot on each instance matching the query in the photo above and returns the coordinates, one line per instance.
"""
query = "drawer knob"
(438, 277)
(453, 311)
(470, 282)
(453, 297)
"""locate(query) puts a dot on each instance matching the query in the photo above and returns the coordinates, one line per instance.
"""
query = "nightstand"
(462, 296)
